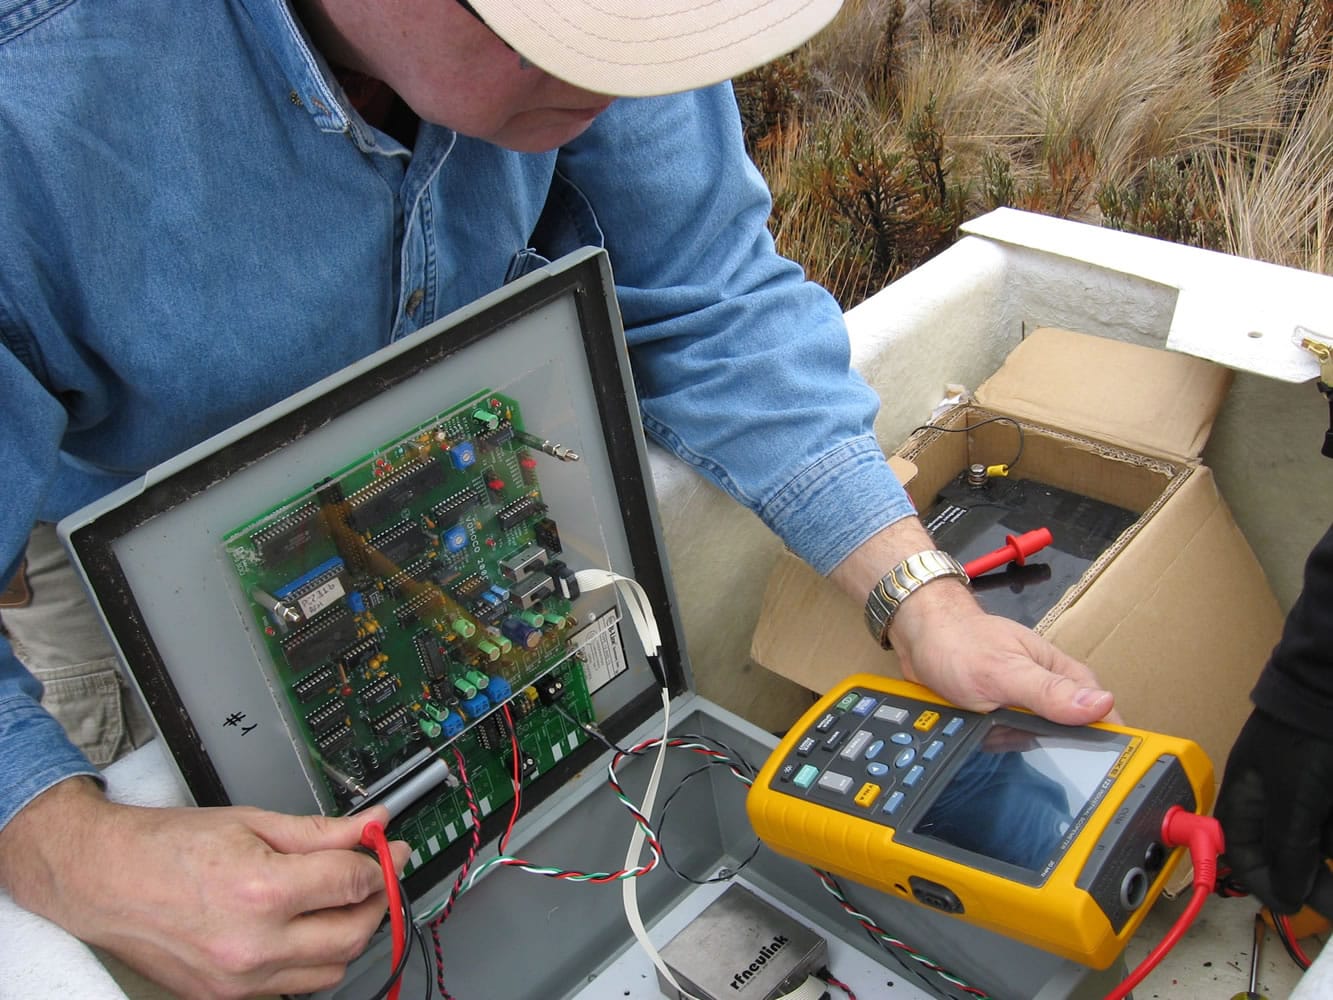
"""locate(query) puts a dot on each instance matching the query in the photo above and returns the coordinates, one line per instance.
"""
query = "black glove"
(1276, 811)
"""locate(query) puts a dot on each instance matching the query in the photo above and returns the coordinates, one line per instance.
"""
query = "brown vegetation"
(1208, 122)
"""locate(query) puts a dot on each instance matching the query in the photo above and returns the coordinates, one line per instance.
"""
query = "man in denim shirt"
(209, 206)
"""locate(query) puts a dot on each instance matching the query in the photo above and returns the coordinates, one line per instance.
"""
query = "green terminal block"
(487, 417)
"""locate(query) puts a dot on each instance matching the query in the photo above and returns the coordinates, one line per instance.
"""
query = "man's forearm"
(58, 818)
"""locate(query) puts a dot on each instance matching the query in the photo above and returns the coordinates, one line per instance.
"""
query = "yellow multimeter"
(1048, 834)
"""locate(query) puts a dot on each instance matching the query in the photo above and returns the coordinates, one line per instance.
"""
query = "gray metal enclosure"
(519, 936)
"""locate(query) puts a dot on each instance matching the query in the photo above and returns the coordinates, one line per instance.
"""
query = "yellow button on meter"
(866, 797)
(926, 721)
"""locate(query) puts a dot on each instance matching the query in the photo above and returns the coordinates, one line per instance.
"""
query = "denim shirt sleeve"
(35, 753)
(741, 365)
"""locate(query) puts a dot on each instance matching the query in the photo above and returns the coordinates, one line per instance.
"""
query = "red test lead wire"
(1203, 836)
(372, 836)
(1016, 549)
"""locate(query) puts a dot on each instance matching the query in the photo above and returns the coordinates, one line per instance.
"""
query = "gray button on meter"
(855, 745)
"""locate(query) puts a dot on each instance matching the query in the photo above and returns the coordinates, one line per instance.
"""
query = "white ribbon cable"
(636, 603)
(812, 989)
(641, 613)
(629, 887)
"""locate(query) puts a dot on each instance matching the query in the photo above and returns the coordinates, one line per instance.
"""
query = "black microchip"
(493, 732)
(426, 604)
(382, 499)
(320, 638)
(399, 543)
(312, 684)
(380, 691)
(500, 434)
(469, 588)
(359, 652)
(433, 663)
(401, 582)
(289, 535)
(334, 738)
(325, 714)
(391, 722)
(448, 510)
(520, 510)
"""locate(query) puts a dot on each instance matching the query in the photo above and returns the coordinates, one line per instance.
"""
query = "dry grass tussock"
(1209, 122)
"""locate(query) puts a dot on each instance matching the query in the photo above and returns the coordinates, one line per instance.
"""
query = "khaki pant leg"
(59, 637)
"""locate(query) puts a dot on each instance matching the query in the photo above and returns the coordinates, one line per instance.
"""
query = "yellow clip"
(997, 470)
(1321, 349)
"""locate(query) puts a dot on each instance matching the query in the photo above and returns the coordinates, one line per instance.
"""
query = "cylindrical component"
(464, 628)
(1016, 550)
(433, 711)
(488, 649)
(430, 727)
(976, 475)
(430, 777)
(521, 633)
(282, 614)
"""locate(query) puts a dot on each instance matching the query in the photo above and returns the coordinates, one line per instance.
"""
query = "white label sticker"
(599, 646)
(321, 597)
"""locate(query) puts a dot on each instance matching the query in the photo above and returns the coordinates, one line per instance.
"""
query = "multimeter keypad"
(870, 754)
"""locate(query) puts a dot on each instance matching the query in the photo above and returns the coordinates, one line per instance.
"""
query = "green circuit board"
(413, 602)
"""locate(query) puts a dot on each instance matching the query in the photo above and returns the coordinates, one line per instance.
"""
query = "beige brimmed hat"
(634, 48)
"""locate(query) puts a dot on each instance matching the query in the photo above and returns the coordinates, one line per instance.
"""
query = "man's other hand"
(1276, 811)
(228, 902)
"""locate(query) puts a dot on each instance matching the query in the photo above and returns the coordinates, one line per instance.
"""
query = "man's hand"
(208, 902)
(946, 641)
(1276, 811)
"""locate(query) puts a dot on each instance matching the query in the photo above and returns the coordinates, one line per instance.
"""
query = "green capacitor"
(465, 688)
(434, 711)
(504, 644)
(478, 678)
(533, 618)
(430, 727)
(489, 649)
(464, 628)
(559, 621)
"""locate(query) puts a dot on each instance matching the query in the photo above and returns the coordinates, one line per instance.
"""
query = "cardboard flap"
(904, 469)
(1142, 398)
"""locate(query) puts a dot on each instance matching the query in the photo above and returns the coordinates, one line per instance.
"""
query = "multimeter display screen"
(1017, 795)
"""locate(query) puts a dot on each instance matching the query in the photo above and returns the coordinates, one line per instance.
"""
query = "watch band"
(899, 583)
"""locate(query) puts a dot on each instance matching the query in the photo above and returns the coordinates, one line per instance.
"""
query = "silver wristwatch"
(906, 578)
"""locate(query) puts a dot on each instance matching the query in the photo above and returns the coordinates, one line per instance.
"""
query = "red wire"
(518, 784)
(372, 836)
(1201, 894)
(1302, 959)
(1203, 836)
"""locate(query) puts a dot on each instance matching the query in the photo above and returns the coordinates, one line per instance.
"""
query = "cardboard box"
(1176, 616)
